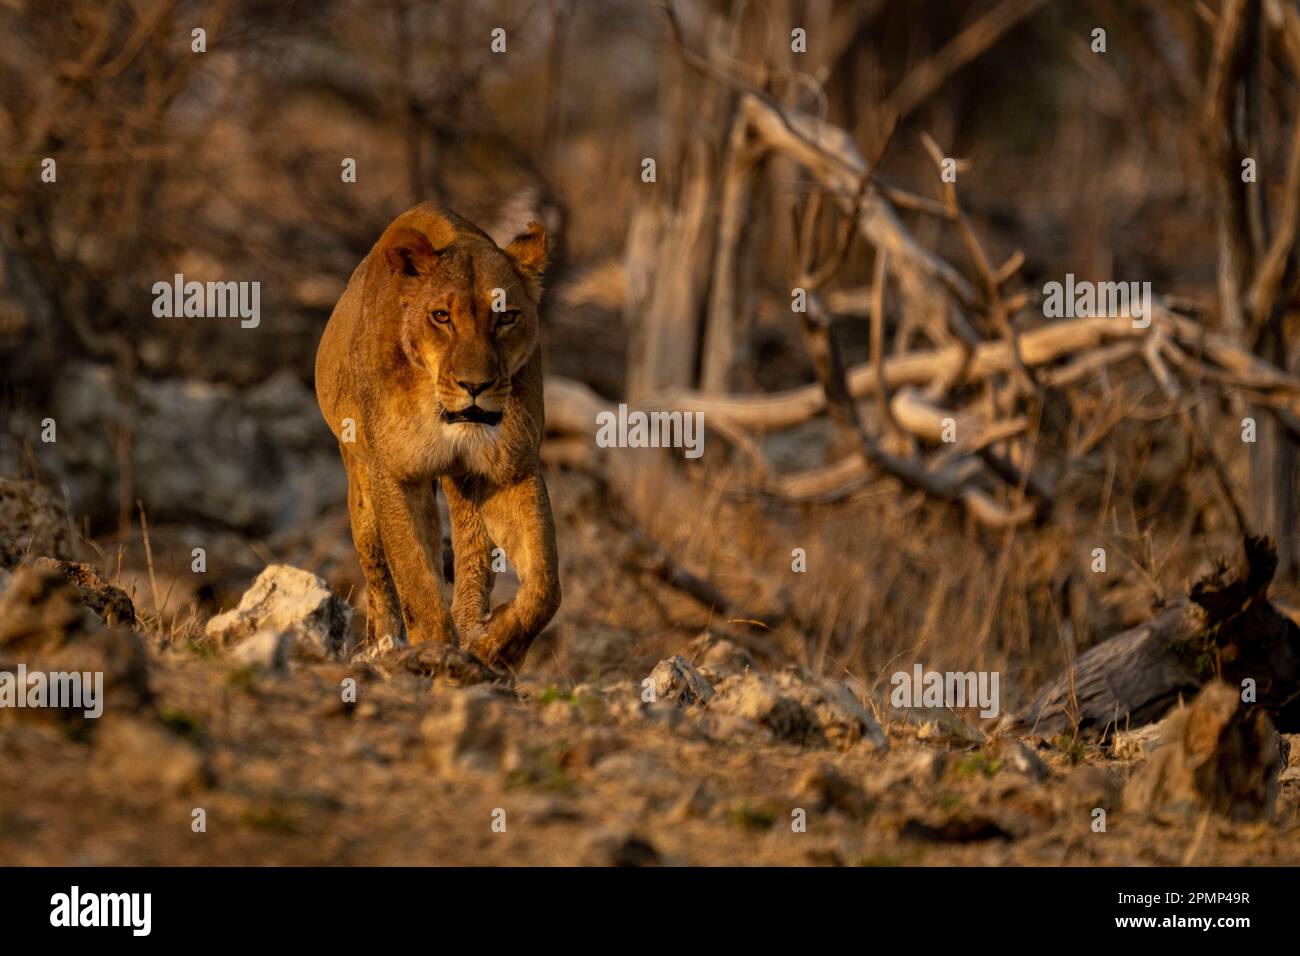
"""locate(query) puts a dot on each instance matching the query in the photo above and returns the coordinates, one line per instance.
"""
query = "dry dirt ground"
(419, 773)
(203, 758)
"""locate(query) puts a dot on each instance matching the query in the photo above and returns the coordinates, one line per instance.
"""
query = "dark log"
(1227, 628)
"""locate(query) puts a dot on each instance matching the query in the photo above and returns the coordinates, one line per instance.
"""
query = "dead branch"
(878, 343)
(948, 485)
(1039, 347)
(992, 280)
(1171, 388)
(720, 323)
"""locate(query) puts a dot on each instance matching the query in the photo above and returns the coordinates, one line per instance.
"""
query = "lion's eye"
(441, 316)
(508, 318)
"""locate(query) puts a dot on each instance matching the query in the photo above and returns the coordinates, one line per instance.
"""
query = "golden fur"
(441, 387)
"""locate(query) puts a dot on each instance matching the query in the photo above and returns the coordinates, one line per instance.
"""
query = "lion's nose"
(474, 388)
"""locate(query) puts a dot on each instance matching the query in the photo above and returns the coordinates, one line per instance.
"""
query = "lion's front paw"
(498, 652)
(472, 633)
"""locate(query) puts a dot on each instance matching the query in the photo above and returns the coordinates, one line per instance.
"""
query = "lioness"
(430, 370)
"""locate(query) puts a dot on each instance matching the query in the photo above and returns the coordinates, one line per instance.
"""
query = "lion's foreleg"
(383, 613)
(519, 520)
(472, 547)
(408, 524)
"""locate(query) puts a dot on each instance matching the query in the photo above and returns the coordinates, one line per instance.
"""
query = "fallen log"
(1227, 628)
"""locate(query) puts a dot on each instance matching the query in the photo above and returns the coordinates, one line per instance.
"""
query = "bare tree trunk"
(665, 246)
(1273, 472)
(722, 344)
(671, 238)
(1255, 268)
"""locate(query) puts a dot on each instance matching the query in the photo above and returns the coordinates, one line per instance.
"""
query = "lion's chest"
(414, 443)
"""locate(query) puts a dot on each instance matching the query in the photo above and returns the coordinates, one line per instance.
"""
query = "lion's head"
(469, 309)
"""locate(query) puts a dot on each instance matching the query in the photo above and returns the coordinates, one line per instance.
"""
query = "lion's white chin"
(473, 428)
(469, 440)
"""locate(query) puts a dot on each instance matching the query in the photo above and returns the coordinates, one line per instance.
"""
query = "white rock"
(719, 657)
(677, 681)
(291, 601)
(268, 650)
(844, 720)
(757, 698)
(801, 710)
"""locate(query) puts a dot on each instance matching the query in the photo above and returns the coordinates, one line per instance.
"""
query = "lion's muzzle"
(472, 414)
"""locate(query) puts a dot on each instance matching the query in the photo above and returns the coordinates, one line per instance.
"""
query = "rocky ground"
(255, 743)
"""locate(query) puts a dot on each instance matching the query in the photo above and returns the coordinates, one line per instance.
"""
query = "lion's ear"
(529, 250)
(409, 252)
